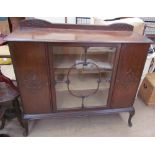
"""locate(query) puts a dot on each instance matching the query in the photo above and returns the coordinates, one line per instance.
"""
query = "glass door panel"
(82, 76)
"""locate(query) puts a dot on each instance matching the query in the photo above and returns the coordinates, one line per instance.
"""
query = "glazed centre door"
(82, 75)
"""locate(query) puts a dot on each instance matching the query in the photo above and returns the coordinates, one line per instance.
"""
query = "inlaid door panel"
(130, 66)
(31, 68)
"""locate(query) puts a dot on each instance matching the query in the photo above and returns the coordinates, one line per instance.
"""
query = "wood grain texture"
(52, 75)
(37, 23)
(32, 76)
(56, 35)
(131, 62)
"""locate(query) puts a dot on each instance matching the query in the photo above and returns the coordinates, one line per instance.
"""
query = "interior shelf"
(67, 63)
(79, 50)
(59, 71)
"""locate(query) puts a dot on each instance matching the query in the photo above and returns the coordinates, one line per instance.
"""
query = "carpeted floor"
(107, 125)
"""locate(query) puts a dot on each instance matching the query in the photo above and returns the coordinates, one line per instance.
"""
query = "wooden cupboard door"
(130, 66)
(31, 68)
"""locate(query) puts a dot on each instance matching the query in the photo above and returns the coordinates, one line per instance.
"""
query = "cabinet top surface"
(75, 36)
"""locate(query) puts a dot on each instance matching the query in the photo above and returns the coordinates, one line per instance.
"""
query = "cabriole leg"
(131, 114)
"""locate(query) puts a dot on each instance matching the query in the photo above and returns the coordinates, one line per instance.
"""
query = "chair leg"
(24, 123)
(3, 123)
(26, 127)
(2, 118)
(18, 112)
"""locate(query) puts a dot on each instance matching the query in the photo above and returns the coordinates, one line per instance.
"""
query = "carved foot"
(26, 128)
(131, 114)
(3, 123)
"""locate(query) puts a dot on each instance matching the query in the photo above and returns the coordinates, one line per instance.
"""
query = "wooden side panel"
(131, 63)
(31, 68)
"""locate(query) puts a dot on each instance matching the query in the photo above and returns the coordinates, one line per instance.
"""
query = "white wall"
(71, 20)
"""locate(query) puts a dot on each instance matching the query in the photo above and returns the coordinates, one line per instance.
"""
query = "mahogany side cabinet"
(65, 70)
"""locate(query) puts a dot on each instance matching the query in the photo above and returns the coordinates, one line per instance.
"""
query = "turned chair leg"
(26, 127)
(2, 118)
(131, 114)
(3, 123)
(18, 111)
(24, 123)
